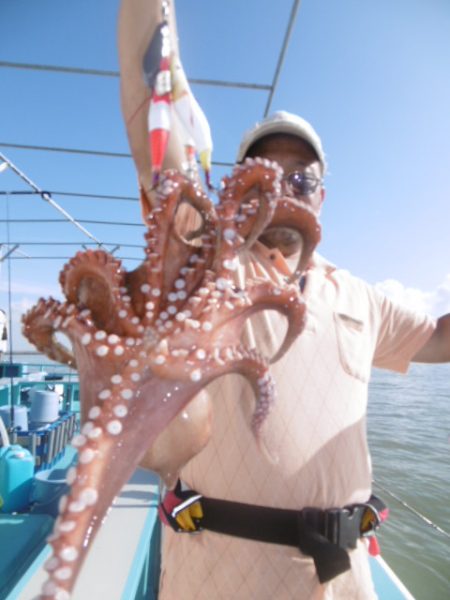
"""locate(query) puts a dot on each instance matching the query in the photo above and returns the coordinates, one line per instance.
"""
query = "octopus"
(146, 342)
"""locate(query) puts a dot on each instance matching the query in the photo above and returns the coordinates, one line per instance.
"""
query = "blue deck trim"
(387, 585)
(35, 566)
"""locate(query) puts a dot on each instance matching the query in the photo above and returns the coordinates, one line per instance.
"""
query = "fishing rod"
(413, 510)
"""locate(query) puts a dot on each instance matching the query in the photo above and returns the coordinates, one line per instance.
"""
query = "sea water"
(408, 430)
(409, 437)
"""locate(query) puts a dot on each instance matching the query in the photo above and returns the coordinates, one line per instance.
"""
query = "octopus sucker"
(147, 342)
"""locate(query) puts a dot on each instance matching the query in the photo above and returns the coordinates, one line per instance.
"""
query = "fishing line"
(413, 510)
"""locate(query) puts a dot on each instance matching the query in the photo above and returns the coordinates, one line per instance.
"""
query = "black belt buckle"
(342, 526)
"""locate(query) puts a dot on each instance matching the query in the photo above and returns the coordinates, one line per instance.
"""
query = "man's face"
(293, 155)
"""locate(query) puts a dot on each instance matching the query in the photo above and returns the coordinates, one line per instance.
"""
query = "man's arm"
(138, 20)
(437, 349)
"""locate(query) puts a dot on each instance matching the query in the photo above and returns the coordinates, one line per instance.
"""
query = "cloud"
(18, 308)
(442, 297)
(435, 303)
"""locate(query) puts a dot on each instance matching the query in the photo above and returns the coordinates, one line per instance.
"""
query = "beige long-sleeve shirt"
(316, 435)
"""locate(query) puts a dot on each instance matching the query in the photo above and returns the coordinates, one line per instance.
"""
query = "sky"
(372, 77)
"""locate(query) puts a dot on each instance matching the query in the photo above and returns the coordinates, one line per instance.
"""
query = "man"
(317, 429)
(317, 454)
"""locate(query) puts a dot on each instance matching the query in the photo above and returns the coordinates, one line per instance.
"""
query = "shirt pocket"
(353, 345)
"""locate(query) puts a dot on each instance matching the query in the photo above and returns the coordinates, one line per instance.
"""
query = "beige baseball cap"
(283, 122)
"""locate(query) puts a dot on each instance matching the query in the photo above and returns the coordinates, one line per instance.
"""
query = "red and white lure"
(172, 95)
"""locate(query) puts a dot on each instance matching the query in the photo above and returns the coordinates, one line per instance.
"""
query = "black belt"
(325, 535)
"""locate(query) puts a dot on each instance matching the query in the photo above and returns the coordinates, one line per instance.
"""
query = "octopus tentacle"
(288, 212)
(224, 310)
(158, 276)
(254, 367)
(41, 323)
(261, 177)
(256, 370)
(95, 279)
(185, 366)
(146, 342)
(110, 445)
(191, 192)
(300, 217)
(286, 299)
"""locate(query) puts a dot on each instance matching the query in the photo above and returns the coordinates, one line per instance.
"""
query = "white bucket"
(44, 406)
(20, 416)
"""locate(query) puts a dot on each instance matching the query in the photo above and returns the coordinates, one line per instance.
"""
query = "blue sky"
(373, 77)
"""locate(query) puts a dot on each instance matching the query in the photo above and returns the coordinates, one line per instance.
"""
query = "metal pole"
(276, 76)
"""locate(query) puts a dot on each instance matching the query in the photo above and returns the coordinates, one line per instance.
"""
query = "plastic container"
(44, 407)
(20, 416)
(16, 478)
(48, 487)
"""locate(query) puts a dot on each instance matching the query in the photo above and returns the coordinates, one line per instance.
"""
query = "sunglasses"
(302, 184)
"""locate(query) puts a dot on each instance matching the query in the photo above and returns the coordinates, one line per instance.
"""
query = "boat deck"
(123, 563)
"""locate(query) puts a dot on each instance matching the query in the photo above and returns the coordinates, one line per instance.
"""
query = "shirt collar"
(320, 262)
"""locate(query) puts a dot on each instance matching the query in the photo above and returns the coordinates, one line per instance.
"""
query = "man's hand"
(437, 349)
